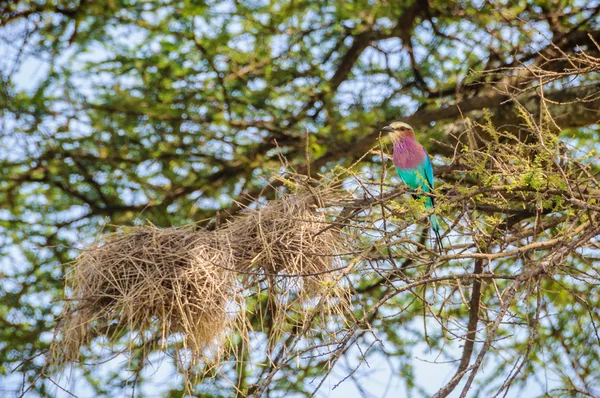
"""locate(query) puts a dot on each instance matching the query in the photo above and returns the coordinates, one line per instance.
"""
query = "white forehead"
(399, 125)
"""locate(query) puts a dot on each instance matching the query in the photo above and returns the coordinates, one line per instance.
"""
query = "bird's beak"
(387, 129)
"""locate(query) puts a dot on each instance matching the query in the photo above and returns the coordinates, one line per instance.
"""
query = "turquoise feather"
(421, 178)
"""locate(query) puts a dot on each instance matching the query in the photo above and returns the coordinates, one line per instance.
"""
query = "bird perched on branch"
(413, 166)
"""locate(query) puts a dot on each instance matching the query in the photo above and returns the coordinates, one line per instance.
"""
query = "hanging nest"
(290, 237)
(158, 282)
(289, 255)
(145, 288)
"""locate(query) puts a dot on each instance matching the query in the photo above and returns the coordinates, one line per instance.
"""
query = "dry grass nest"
(288, 253)
(146, 279)
(290, 237)
(177, 283)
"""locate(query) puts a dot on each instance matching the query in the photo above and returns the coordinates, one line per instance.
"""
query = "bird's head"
(398, 130)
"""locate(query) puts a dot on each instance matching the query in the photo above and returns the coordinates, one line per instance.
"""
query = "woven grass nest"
(189, 283)
(290, 237)
(165, 281)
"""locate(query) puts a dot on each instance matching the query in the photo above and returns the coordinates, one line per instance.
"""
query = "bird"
(413, 166)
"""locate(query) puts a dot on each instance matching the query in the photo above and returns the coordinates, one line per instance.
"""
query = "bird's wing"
(425, 171)
(409, 177)
(428, 169)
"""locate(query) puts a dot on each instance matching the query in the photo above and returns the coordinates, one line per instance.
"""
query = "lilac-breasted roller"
(413, 166)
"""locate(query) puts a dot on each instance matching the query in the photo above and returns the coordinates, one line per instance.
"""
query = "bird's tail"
(435, 225)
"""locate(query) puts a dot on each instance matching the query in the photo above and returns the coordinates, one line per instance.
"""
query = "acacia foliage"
(168, 111)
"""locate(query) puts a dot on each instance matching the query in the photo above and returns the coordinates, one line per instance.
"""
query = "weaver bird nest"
(290, 237)
(165, 281)
(178, 281)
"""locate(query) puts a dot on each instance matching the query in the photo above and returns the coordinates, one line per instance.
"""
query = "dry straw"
(290, 237)
(158, 283)
(147, 280)
(289, 255)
